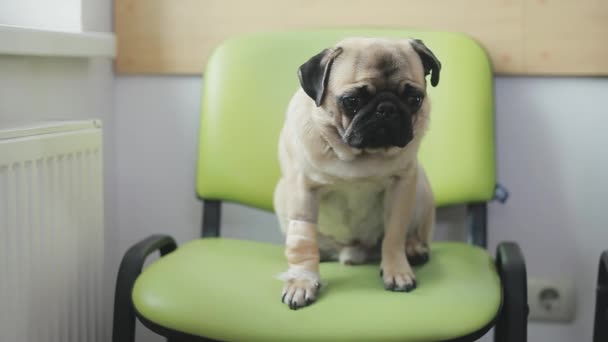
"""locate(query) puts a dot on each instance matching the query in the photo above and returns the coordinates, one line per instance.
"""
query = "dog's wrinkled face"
(376, 118)
(373, 91)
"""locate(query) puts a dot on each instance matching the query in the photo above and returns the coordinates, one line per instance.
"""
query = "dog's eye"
(414, 100)
(351, 103)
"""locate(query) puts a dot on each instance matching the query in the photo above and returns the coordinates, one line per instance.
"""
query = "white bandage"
(301, 251)
(299, 274)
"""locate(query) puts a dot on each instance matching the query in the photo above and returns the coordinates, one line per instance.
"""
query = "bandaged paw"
(301, 249)
(302, 280)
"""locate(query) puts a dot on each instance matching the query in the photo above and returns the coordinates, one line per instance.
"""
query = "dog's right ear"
(314, 74)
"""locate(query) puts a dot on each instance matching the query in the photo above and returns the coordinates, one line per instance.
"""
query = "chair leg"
(512, 322)
(600, 330)
(123, 329)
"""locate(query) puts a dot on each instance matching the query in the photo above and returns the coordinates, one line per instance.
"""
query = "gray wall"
(550, 136)
(36, 89)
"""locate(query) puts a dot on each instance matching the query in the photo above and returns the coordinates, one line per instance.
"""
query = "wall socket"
(551, 300)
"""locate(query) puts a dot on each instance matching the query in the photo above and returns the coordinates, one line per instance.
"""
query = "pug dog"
(352, 188)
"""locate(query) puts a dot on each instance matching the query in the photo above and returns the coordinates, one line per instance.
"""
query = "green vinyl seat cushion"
(226, 290)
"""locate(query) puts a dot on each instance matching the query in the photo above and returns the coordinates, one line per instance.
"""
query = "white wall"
(550, 136)
(551, 154)
(40, 88)
(64, 15)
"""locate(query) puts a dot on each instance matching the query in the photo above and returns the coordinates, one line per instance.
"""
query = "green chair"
(221, 289)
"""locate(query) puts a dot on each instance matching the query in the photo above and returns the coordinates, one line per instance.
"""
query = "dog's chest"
(352, 212)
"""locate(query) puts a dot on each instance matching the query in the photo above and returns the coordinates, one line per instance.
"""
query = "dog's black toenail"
(283, 297)
(381, 272)
(309, 301)
(410, 287)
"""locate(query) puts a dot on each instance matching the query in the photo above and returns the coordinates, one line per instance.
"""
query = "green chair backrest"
(248, 83)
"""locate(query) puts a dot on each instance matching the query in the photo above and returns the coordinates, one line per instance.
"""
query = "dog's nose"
(386, 109)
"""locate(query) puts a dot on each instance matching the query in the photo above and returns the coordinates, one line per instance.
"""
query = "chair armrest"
(130, 268)
(600, 330)
(512, 321)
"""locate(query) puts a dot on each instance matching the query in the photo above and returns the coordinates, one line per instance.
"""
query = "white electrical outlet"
(551, 300)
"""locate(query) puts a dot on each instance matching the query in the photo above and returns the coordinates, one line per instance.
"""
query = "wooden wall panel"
(566, 37)
(561, 37)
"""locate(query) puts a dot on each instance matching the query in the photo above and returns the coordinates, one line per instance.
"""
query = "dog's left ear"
(429, 61)
(314, 74)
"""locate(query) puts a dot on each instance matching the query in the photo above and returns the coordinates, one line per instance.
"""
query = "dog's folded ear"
(314, 74)
(429, 61)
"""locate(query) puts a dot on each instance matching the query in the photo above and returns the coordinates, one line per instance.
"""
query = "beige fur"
(353, 198)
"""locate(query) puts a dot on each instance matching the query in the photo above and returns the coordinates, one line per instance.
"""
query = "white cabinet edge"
(23, 41)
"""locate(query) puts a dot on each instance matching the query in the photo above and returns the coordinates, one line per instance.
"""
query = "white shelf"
(23, 41)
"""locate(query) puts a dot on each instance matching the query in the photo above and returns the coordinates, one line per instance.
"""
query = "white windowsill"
(36, 42)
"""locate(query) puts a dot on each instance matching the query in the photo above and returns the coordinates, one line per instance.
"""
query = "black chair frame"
(600, 331)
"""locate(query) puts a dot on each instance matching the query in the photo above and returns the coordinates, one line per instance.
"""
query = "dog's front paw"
(397, 277)
(301, 288)
(416, 251)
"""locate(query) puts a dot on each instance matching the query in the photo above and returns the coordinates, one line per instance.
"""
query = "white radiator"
(51, 233)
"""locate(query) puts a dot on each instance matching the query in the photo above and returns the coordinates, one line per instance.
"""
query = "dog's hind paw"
(417, 252)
